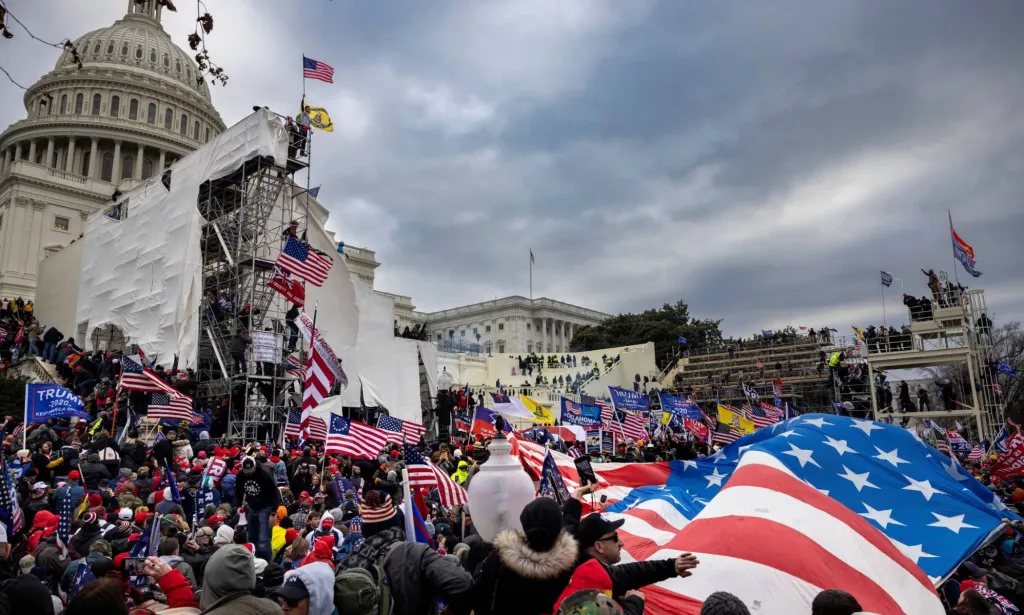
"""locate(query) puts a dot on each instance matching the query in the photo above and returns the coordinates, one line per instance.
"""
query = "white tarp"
(143, 274)
(338, 318)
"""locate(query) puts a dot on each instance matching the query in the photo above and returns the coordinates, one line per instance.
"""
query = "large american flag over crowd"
(811, 502)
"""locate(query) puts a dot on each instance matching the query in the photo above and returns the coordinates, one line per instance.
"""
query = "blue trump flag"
(575, 413)
(551, 483)
(625, 399)
(52, 401)
(680, 406)
(932, 509)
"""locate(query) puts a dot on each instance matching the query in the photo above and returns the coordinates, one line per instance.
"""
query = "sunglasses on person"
(291, 604)
(614, 537)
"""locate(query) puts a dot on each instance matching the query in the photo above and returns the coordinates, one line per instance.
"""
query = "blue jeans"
(50, 352)
(258, 531)
(33, 347)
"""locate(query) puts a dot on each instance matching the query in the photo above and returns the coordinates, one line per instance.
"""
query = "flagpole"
(956, 274)
(24, 429)
(531, 274)
(884, 322)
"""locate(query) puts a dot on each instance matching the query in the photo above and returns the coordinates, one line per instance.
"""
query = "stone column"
(93, 152)
(32, 151)
(5, 160)
(116, 175)
(138, 162)
(17, 151)
(33, 243)
(71, 155)
(163, 159)
(49, 153)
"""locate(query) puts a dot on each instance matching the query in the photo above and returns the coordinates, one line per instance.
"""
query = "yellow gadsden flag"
(740, 424)
(540, 414)
(319, 118)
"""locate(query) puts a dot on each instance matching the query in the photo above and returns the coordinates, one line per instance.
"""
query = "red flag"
(697, 428)
(1011, 463)
(291, 288)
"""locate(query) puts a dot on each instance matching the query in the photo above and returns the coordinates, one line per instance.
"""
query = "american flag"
(318, 383)
(65, 509)
(976, 453)
(723, 433)
(312, 69)
(813, 503)
(293, 366)
(12, 516)
(354, 439)
(3, 334)
(163, 406)
(400, 431)
(134, 377)
(766, 415)
(298, 258)
(628, 424)
(423, 473)
(293, 426)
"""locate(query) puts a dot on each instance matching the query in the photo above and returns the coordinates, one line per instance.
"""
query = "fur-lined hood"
(516, 555)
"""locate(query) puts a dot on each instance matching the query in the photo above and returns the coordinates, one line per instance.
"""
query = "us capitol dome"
(137, 104)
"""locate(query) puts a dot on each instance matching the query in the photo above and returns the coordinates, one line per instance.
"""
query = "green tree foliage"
(663, 327)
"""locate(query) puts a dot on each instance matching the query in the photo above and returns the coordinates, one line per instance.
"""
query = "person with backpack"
(386, 574)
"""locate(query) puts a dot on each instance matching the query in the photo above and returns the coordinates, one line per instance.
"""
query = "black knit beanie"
(723, 603)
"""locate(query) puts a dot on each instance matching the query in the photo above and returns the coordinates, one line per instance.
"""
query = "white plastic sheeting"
(143, 273)
(338, 317)
(428, 354)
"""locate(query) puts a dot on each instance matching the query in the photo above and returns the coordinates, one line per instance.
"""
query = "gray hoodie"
(229, 579)
(318, 578)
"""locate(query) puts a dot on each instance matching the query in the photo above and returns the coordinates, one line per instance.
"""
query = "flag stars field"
(923, 486)
(859, 480)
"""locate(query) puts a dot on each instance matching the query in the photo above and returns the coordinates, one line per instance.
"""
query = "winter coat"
(228, 584)
(515, 579)
(179, 564)
(93, 473)
(182, 448)
(636, 575)
(259, 489)
(180, 600)
(164, 451)
(416, 573)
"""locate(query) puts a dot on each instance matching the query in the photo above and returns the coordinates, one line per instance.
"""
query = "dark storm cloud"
(760, 160)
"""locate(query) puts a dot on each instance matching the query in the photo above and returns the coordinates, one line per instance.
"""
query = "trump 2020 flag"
(52, 401)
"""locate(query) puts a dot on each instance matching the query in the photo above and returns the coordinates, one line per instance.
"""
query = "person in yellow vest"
(462, 473)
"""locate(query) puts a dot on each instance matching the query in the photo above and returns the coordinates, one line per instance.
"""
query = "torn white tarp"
(143, 273)
(338, 317)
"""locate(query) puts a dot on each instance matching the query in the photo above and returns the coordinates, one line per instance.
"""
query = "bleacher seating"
(716, 375)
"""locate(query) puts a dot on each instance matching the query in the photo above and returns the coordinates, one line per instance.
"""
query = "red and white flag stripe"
(431, 476)
(318, 383)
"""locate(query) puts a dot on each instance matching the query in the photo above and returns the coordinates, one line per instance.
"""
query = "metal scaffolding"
(247, 214)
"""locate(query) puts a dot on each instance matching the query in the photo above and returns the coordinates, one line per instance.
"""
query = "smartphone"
(133, 566)
(585, 470)
(604, 498)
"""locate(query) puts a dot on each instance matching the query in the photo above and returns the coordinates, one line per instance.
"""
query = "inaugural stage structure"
(957, 333)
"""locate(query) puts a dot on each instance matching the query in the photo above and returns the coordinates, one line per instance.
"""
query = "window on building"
(85, 164)
(487, 347)
(151, 113)
(195, 131)
(133, 109)
(188, 72)
(79, 103)
(463, 334)
(127, 166)
(60, 223)
(147, 169)
(152, 56)
(529, 346)
(138, 52)
(183, 128)
(501, 346)
(115, 106)
(476, 331)
(167, 61)
(63, 104)
(2, 226)
(124, 49)
(97, 101)
(177, 66)
(501, 326)
(107, 169)
(439, 337)
(96, 47)
(110, 48)
(207, 138)
(168, 119)
(487, 329)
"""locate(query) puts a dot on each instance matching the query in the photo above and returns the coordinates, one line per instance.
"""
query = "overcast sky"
(760, 160)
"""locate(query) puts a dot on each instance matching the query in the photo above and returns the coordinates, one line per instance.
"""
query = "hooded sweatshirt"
(225, 535)
(228, 583)
(319, 580)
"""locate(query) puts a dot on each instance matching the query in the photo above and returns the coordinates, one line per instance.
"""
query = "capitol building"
(138, 104)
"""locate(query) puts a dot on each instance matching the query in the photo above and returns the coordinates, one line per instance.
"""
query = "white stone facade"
(510, 325)
(137, 104)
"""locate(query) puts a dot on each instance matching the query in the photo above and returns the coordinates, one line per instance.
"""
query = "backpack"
(361, 591)
(228, 486)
